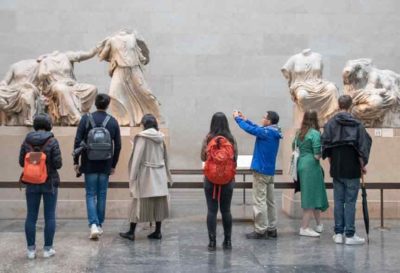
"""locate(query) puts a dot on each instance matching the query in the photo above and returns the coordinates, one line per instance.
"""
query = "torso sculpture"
(67, 98)
(307, 88)
(131, 97)
(19, 93)
(375, 93)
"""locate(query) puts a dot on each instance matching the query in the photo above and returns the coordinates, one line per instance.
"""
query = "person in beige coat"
(149, 175)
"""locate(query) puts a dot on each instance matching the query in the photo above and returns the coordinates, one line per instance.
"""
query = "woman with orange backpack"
(40, 156)
(219, 151)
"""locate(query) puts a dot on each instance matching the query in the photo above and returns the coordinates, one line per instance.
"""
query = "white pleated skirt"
(151, 209)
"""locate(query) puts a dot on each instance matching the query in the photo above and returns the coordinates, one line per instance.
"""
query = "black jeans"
(224, 206)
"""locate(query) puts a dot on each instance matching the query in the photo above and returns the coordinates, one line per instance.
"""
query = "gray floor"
(183, 248)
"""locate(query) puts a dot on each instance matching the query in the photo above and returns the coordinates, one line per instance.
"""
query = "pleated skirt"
(151, 209)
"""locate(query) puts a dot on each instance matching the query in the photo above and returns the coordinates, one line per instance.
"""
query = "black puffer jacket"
(54, 161)
(343, 129)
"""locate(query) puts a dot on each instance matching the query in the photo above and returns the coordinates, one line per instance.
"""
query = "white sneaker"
(308, 232)
(319, 228)
(49, 253)
(100, 231)
(338, 238)
(355, 240)
(31, 254)
(94, 232)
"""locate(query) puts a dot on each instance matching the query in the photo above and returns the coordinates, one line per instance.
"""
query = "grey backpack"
(99, 143)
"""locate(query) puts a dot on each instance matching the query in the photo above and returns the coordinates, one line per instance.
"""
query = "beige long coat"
(149, 172)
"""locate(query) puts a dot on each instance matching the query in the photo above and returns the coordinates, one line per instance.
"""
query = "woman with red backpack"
(40, 156)
(219, 151)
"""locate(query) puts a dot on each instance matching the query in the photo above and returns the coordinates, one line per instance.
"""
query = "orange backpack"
(35, 169)
(220, 166)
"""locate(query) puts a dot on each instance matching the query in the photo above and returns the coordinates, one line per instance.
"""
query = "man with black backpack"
(99, 140)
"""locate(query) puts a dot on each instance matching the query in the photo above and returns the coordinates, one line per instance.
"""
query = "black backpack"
(99, 143)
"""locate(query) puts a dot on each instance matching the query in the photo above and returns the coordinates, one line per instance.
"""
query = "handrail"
(240, 185)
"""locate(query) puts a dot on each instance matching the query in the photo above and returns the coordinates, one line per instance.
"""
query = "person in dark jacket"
(42, 138)
(97, 172)
(266, 147)
(347, 145)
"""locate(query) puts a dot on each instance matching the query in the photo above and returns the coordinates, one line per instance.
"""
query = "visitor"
(266, 147)
(149, 175)
(222, 139)
(43, 143)
(98, 137)
(310, 174)
(347, 145)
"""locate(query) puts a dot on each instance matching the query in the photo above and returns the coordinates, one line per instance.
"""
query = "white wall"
(210, 55)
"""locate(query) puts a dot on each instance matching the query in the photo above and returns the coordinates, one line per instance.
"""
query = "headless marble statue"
(19, 95)
(67, 98)
(131, 98)
(307, 88)
(375, 93)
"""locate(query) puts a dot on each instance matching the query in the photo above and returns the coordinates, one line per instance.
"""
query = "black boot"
(212, 245)
(156, 234)
(130, 235)
(227, 244)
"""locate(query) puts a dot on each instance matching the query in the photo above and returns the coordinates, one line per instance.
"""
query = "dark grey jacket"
(344, 129)
(54, 161)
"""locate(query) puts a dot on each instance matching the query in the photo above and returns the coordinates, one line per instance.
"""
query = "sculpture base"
(71, 202)
(383, 158)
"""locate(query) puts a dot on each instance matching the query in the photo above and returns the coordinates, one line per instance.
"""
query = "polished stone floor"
(183, 248)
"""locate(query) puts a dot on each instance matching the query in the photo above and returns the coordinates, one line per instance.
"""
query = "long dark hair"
(149, 121)
(310, 120)
(220, 127)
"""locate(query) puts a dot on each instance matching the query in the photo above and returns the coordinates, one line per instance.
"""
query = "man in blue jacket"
(266, 147)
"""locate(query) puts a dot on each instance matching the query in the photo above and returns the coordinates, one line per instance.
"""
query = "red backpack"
(220, 166)
(35, 169)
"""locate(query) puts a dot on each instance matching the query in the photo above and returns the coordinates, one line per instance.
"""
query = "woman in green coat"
(310, 173)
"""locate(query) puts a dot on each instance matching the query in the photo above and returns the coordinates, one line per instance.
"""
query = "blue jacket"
(266, 146)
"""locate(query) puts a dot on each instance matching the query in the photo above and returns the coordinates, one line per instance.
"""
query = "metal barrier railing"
(240, 185)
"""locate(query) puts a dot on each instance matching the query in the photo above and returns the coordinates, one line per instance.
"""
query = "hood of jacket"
(38, 138)
(153, 135)
(276, 131)
(346, 119)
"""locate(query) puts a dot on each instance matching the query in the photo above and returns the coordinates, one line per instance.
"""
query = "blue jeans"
(33, 205)
(96, 195)
(345, 193)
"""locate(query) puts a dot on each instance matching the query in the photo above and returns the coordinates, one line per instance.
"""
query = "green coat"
(310, 173)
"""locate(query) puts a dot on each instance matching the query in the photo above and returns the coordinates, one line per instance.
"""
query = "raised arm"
(251, 128)
(79, 56)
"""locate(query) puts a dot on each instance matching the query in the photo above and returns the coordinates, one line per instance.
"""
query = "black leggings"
(224, 205)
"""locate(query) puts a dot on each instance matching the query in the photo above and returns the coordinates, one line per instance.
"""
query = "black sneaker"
(255, 235)
(272, 233)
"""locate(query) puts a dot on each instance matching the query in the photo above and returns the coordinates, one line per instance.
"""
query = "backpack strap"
(106, 120)
(91, 121)
(42, 147)
(45, 144)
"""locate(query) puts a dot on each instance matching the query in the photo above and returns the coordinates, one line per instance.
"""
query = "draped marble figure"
(307, 88)
(131, 98)
(375, 93)
(19, 94)
(68, 99)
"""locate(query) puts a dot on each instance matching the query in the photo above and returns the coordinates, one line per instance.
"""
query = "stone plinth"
(384, 156)
(71, 202)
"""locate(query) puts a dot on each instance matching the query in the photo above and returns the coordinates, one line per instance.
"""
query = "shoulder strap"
(45, 144)
(106, 120)
(91, 120)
